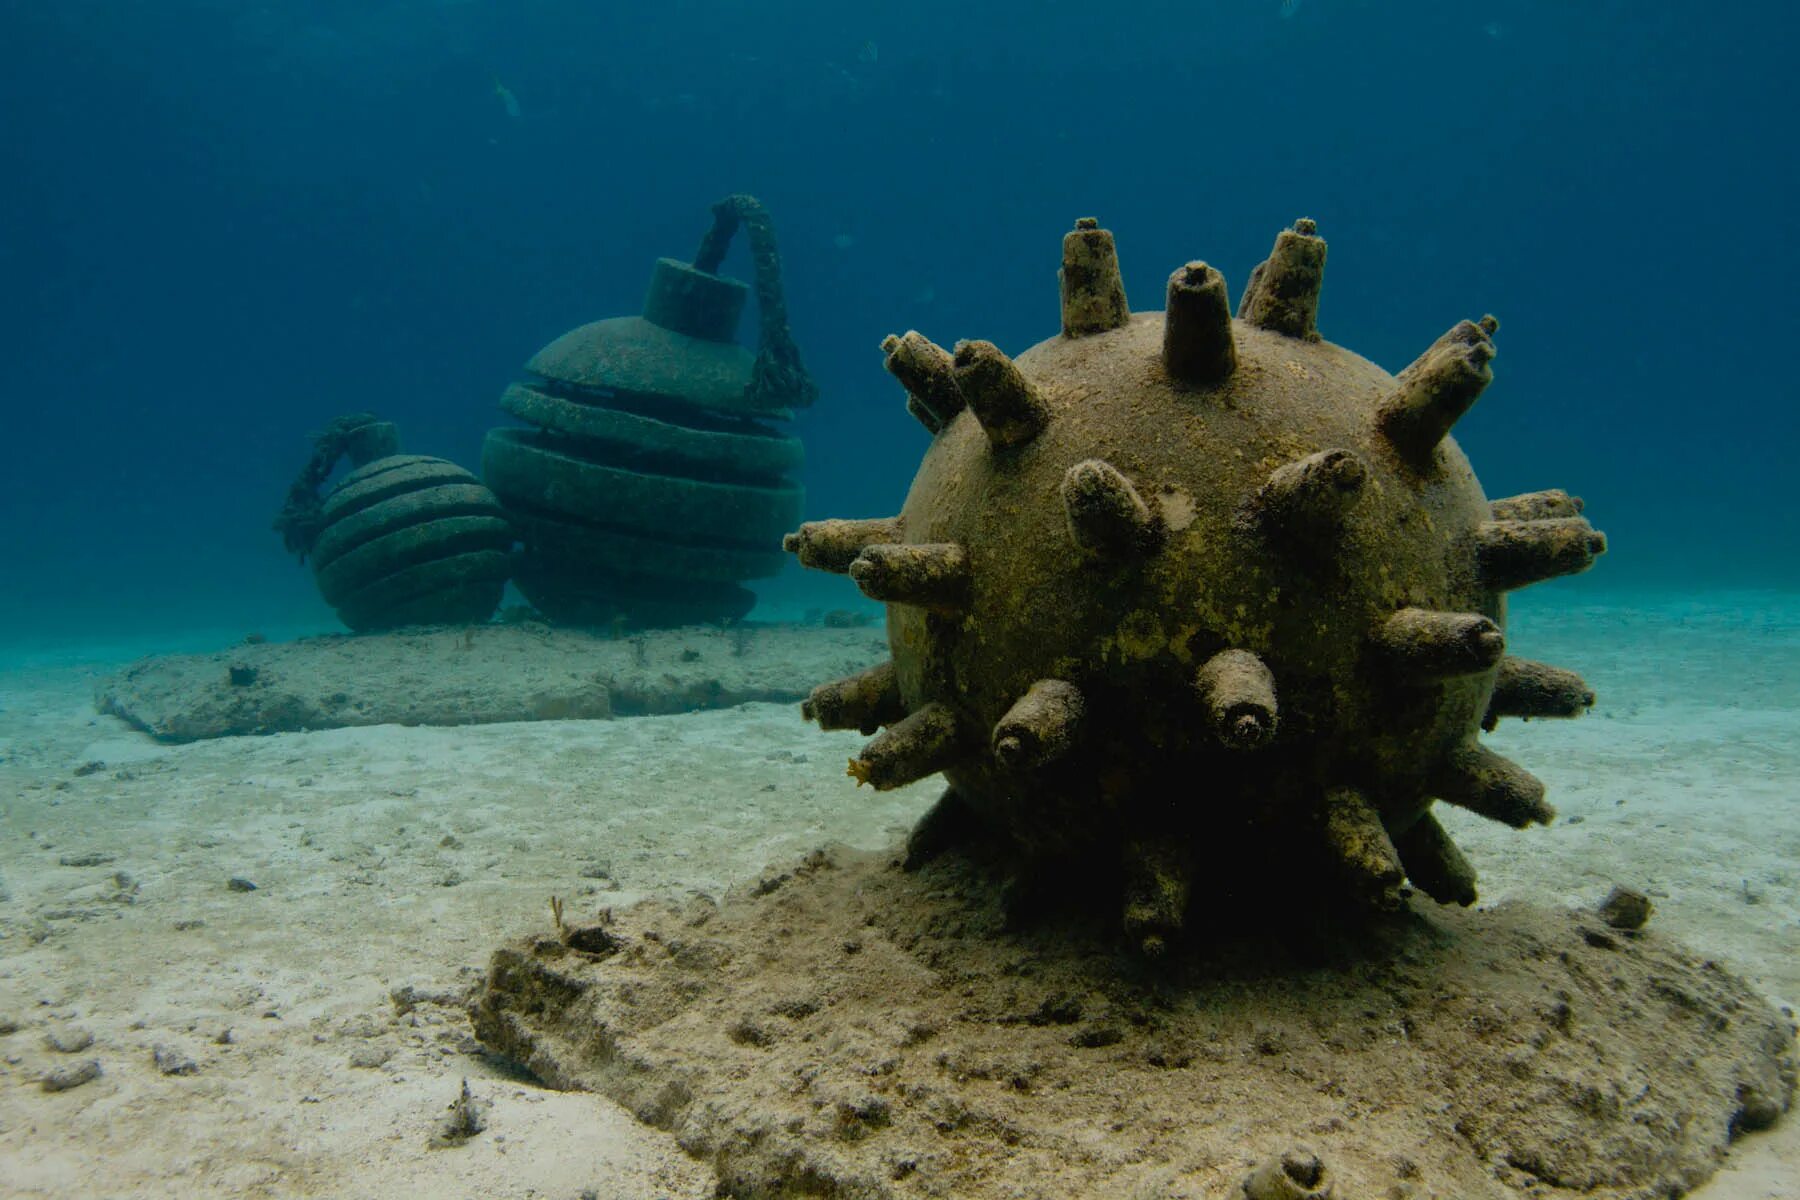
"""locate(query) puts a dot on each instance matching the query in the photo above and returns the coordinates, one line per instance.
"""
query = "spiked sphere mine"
(1206, 607)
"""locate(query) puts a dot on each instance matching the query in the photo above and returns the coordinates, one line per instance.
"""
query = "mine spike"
(864, 702)
(1198, 348)
(1237, 691)
(1158, 880)
(918, 745)
(1434, 864)
(1428, 645)
(1433, 393)
(933, 575)
(1514, 554)
(1107, 516)
(1010, 410)
(1093, 294)
(1040, 727)
(1310, 498)
(1493, 786)
(1536, 506)
(925, 369)
(1283, 293)
(1524, 688)
(833, 545)
(1362, 848)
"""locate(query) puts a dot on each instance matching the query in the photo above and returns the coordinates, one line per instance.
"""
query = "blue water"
(222, 224)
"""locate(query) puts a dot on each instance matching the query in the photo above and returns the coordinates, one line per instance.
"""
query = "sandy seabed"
(304, 1039)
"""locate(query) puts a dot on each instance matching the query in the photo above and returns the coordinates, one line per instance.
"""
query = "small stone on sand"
(69, 1041)
(171, 1061)
(1626, 908)
(64, 1078)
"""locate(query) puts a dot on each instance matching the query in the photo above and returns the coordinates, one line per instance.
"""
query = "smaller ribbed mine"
(411, 540)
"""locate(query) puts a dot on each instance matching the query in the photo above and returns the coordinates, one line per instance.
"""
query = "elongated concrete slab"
(477, 675)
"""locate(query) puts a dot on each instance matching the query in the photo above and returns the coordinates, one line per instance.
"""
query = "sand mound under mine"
(846, 1029)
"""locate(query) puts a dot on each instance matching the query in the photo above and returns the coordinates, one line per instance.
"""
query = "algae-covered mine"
(1201, 605)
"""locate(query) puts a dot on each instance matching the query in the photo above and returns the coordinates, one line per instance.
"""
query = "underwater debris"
(586, 939)
(170, 1060)
(1204, 598)
(69, 1041)
(509, 103)
(1626, 908)
(466, 1119)
(370, 1057)
(1297, 1174)
(73, 1076)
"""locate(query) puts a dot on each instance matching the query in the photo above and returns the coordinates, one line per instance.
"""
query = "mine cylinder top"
(684, 299)
(366, 443)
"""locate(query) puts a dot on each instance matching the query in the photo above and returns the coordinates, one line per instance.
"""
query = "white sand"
(387, 857)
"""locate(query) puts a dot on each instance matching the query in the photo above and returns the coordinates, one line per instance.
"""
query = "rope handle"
(301, 517)
(779, 379)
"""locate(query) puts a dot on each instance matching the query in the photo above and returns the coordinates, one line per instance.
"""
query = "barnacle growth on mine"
(1200, 604)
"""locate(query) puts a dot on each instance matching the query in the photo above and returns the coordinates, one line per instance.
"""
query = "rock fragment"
(171, 1061)
(73, 1076)
(1626, 908)
(69, 1041)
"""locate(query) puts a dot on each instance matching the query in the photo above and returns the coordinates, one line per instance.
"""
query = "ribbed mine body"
(411, 540)
(646, 519)
(650, 483)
